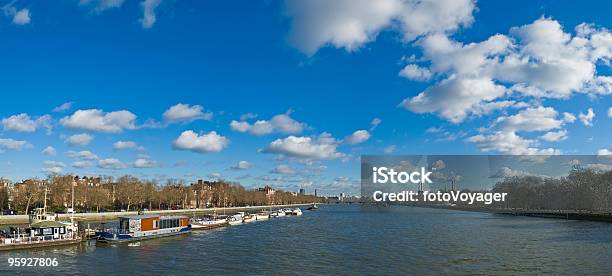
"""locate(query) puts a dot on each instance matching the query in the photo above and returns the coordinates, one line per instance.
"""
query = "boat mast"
(72, 197)
(45, 205)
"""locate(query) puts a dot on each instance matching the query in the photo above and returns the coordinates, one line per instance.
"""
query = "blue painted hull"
(108, 237)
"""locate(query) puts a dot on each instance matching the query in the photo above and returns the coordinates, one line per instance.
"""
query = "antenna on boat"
(45, 205)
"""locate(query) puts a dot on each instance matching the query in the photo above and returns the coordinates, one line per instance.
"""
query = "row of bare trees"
(130, 193)
(583, 190)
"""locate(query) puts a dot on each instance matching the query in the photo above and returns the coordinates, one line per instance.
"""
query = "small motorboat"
(234, 220)
(248, 218)
(280, 213)
(313, 207)
(262, 216)
(297, 212)
(208, 222)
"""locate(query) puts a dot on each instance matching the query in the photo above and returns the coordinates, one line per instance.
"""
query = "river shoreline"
(105, 216)
(554, 214)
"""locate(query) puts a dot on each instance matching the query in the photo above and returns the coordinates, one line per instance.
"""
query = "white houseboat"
(44, 230)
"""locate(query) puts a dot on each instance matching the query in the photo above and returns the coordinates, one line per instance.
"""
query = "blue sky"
(513, 77)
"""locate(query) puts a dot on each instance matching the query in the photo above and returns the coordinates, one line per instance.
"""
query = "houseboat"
(143, 227)
(208, 222)
(44, 230)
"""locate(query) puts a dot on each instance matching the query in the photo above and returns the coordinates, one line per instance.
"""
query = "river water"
(351, 239)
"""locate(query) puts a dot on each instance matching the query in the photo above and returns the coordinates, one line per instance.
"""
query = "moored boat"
(142, 227)
(234, 220)
(44, 230)
(208, 222)
(278, 214)
(297, 212)
(41, 234)
(313, 207)
(248, 218)
(262, 216)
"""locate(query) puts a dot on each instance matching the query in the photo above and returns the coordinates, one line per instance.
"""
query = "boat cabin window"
(124, 224)
(169, 223)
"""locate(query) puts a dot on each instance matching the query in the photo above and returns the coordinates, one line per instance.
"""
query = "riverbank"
(104, 216)
(556, 214)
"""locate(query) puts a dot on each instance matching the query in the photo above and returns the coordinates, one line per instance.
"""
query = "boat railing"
(25, 239)
(117, 231)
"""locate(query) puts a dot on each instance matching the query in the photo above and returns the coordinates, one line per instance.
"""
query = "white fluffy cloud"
(53, 167)
(50, 151)
(508, 172)
(121, 145)
(357, 137)
(102, 5)
(504, 137)
(111, 164)
(587, 118)
(63, 107)
(281, 123)
(81, 164)
(349, 24)
(538, 60)
(98, 120)
(24, 123)
(456, 98)
(604, 152)
(610, 112)
(323, 147)
(186, 113)
(555, 136)
(242, 165)
(20, 17)
(148, 13)
(532, 119)
(508, 142)
(283, 169)
(415, 72)
(144, 163)
(82, 139)
(568, 117)
(11, 144)
(82, 155)
(210, 142)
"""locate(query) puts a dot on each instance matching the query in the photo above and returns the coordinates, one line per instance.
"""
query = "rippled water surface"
(350, 239)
